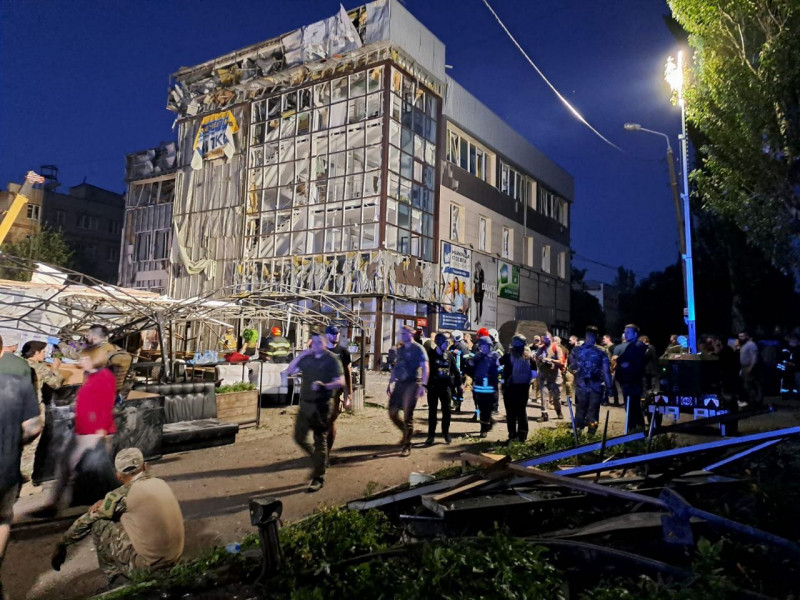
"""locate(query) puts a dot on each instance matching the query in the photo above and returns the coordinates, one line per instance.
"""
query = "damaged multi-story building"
(341, 157)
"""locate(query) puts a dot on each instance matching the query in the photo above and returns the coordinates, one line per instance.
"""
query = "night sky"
(85, 83)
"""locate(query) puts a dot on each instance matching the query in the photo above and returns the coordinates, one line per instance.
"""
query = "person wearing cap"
(590, 364)
(550, 363)
(341, 396)
(138, 526)
(276, 347)
(322, 374)
(10, 363)
(410, 379)
(20, 423)
(519, 370)
(482, 367)
(462, 353)
(444, 376)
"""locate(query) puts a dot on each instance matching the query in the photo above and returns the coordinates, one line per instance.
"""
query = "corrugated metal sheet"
(471, 115)
(418, 42)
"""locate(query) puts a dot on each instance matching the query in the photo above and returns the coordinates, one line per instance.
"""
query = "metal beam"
(685, 451)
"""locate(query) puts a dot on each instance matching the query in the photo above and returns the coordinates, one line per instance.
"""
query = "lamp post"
(673, 182)
(673, 73)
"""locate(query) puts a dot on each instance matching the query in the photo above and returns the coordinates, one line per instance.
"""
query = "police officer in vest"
(277, 348)
(443, 378)
(483, 369)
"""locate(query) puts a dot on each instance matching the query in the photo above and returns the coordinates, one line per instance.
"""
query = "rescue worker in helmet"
(462, 353)
(484, 372)
(276, 347)
(444, 376)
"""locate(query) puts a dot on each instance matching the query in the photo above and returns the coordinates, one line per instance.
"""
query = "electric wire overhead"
(564, 101)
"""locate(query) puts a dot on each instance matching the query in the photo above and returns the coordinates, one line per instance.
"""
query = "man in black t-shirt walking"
(342, 396)
(322, 374)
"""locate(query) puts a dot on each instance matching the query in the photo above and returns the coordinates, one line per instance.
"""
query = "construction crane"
(19, 201)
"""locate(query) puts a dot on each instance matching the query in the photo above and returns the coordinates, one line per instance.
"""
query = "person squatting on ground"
(410, 378)
(485, 380)
(20, 424)
(94, 422)
(590, 364)
(518, 372)
(462, 353)
(631, 359)
(444, 377)
(550, 363)
(322, 374)
(136, 527)
(342, 396)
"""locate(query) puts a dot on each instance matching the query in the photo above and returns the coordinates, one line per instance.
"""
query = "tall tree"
(744, 98)
(585, 309)
(46, 246)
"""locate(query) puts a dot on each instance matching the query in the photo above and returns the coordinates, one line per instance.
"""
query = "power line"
(607, 266)
(564, 101)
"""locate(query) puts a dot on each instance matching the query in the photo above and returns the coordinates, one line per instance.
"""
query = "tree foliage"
(744, 100)
(47, 246)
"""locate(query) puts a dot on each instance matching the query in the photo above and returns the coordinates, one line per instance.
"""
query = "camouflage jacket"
(591, 367)
(45, 375)
(111, 508)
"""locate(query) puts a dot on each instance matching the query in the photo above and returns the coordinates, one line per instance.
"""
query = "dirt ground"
(214, 485)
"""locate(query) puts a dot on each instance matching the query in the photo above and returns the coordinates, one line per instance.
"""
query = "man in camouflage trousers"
(590, 365)
(136, 527)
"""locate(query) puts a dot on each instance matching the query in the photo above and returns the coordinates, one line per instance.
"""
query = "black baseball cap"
(332, 330)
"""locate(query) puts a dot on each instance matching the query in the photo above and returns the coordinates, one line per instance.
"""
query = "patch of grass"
(240, 386)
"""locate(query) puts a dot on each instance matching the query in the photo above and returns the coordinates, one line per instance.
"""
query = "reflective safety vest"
(278, 349)
(483, 369)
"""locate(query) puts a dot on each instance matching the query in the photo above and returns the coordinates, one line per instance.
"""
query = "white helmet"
(457, 335)
(493, 333)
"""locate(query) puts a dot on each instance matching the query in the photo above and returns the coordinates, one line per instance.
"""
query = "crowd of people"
(135, 526)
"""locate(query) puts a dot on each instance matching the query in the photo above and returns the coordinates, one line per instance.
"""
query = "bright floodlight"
(673, 74)
(633, 126)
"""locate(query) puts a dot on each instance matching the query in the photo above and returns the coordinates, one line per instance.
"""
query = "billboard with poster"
(508, 280)
(456, 295)
(483, 312)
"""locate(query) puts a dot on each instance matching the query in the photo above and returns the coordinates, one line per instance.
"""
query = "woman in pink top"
(94, 420)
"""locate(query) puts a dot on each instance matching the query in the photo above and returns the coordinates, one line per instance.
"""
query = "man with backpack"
(518, 372)
(590, 364)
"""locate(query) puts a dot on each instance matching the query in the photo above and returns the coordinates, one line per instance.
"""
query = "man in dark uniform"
(518, 372)
(445, 376)
(630, 357)
(410, 378)
(342, 396)
(590, 364)
(276, 347)
(322, 374)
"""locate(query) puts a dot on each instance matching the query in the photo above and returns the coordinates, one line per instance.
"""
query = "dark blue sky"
(84, 83)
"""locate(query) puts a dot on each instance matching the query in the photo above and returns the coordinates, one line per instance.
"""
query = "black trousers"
(485, 403)
(632, 398)
(438, 395)
(515, 398)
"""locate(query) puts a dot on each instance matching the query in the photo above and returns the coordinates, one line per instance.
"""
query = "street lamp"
(673, 182)
(673, 73)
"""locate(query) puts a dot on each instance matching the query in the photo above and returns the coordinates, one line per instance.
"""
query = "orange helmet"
(482, 332)
(276, 331)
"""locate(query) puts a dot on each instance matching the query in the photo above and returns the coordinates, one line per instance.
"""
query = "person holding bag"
(94, 420)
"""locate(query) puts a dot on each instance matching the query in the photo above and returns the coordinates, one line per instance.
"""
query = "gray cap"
(128, 460)
(11, 337)
(485, 341)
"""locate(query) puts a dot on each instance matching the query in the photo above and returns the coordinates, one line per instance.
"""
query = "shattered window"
(315, 161)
